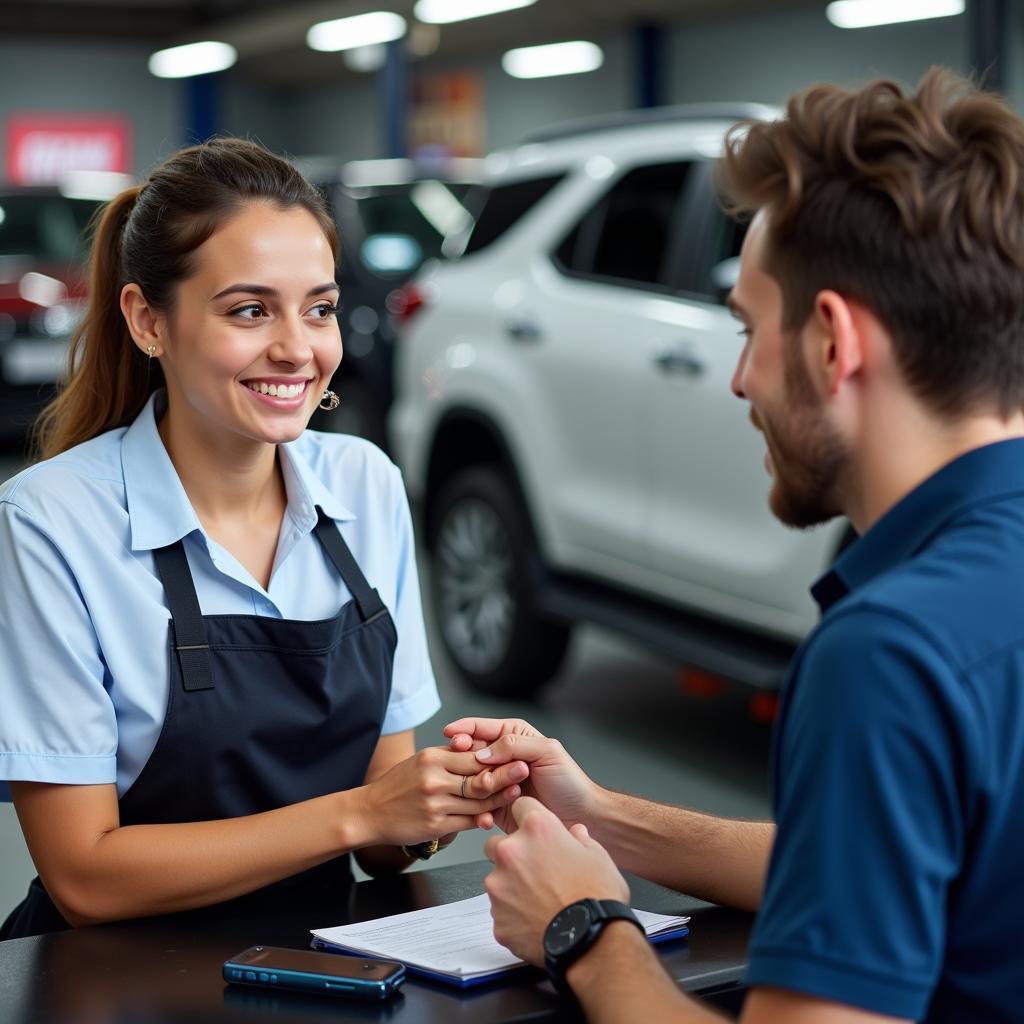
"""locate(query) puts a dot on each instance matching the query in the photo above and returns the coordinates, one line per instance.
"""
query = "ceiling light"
(573, 58)
(443, 12)
(360, 30)
(192, 59)
(865, 13)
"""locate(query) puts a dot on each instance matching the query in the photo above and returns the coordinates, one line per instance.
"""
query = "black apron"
(261, 713)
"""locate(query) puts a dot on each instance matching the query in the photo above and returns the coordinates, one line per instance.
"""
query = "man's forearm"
(621, 978)
(718, 859)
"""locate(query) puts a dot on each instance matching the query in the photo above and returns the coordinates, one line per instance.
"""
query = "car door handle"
(680, 360)
(522, 329)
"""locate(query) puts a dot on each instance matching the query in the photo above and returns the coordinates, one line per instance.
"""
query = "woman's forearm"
(142, 870)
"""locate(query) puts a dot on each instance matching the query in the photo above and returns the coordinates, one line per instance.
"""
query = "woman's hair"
(910, 204)
(148, 235)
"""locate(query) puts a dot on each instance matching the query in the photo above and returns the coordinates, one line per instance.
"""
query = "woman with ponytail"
(213, 647)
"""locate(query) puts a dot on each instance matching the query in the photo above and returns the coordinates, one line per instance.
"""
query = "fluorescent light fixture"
(360, 30)
(865, 13)
(443, 12)
(552, 59)
(192, 59)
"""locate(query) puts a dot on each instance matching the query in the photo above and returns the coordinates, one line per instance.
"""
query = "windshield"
(405, 225)
(46, 228)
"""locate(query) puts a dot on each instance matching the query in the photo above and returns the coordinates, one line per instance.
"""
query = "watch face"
(571, 926)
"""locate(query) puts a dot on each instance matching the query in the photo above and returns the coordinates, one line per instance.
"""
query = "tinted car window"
(722, 267)
(390, 230)
(625, 235)
(502, 206)
(423, 212)
(47, 228)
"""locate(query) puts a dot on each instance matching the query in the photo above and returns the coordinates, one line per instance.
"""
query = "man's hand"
(555, 779)
(538, 871)
(433, 793)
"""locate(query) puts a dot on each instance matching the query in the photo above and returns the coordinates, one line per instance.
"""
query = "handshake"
(547, 858)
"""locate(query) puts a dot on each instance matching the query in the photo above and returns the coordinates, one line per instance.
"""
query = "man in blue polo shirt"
(881, 296)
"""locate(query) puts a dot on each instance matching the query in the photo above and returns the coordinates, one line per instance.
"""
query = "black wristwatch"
(574, 930)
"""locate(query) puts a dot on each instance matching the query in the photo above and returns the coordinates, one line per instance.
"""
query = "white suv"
(565, 422)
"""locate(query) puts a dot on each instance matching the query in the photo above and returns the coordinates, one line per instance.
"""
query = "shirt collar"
(159, 510)
(158, 507)
(985, 474)
(306, 490)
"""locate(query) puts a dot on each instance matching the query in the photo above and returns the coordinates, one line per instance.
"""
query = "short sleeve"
(870, 764)
(57, 722)
(414, 696)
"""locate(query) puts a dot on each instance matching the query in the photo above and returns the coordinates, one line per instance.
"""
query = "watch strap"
(602, 912)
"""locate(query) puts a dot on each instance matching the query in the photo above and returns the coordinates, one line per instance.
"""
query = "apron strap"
(189, 629)
(367, 599)
(190, 639)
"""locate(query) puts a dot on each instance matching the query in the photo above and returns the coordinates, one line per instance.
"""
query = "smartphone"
(305, 970)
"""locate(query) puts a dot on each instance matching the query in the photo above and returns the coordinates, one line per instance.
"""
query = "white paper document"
(454, 942)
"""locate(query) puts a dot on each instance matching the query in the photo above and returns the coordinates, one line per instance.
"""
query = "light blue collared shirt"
(83, 620)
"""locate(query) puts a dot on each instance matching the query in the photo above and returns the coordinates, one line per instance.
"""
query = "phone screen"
(330, 964)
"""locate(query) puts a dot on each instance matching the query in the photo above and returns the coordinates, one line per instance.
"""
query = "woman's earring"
(330, 401)
(151, 350)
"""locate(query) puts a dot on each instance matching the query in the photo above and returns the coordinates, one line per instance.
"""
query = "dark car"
(42, 292)
(392, 216)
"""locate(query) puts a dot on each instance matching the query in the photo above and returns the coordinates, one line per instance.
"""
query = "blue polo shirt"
(84, 675)
(896, 882)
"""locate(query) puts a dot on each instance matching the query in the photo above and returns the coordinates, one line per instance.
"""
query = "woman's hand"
(434, 793)
(555, 779)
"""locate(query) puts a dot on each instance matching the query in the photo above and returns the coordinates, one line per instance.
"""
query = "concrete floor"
(617, 709)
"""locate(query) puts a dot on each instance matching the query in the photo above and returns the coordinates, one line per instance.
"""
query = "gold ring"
(462, 788)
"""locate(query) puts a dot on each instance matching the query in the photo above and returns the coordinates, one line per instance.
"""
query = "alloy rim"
(473, 580)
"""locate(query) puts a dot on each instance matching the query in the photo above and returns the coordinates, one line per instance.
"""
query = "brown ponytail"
(148, 235)
(110, 381)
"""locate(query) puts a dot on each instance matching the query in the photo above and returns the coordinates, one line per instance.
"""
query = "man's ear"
(837, 341)
(146, 326)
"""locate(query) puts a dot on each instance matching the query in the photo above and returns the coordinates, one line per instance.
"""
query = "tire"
(484, 576)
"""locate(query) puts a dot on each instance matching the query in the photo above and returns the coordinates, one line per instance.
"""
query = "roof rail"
(654, 115)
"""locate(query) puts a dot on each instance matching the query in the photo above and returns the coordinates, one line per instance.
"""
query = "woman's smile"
(278, 392)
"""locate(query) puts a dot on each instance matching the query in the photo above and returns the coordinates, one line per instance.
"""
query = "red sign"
(44, 148)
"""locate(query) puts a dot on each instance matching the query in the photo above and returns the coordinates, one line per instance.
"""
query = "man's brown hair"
(910, 204)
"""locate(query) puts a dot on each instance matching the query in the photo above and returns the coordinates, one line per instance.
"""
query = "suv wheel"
(483, 575)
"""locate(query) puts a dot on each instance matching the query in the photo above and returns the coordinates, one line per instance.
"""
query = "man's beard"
(809, 458)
